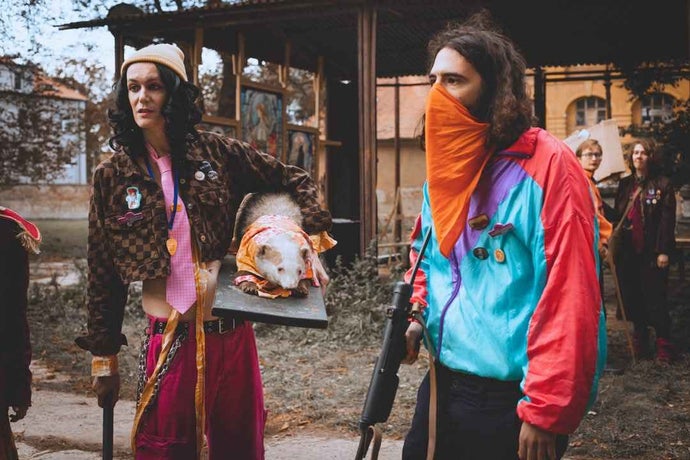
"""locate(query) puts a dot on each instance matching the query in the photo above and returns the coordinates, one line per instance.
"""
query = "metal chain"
(143, 353)
(164, 368)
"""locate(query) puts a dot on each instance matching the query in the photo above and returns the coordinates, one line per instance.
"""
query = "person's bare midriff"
(153, 296)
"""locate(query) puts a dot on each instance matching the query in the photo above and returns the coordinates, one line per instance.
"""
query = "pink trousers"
(235, 415)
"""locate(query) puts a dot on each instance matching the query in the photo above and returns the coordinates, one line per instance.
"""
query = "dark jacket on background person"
(658, 202)
(129, 245)
(15, 344)
(643, 284)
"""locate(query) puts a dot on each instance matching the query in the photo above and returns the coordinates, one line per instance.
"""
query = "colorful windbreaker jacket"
(519, 298)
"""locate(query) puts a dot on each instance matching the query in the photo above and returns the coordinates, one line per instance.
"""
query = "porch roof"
(548, 32)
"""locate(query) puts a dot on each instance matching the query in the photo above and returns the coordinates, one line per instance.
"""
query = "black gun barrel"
(384, 379)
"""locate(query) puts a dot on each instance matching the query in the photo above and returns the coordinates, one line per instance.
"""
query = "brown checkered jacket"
(131, 247)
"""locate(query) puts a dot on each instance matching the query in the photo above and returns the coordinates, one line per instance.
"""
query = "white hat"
(162, 53)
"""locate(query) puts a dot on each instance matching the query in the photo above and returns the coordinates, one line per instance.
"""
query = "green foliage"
(356, 300)
(643, 79)
(358, 296)
(647, 78)
(674, 142)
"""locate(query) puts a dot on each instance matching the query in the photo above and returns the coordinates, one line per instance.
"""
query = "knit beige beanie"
(162, 53)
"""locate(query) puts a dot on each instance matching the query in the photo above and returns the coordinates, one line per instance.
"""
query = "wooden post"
(239, 67)
(284, 68)
(396, 142)
(540, 96)
(366, 81)
(119, 53)
(195, 58)
(318, 81)
(607, 89)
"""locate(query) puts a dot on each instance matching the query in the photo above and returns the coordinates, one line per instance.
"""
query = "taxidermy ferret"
(274, 256)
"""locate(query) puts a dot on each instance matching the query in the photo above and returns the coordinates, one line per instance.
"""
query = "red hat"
(30, 236)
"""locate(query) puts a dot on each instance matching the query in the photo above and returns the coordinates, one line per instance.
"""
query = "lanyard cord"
(175, 192)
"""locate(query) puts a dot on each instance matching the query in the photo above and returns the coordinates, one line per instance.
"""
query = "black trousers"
(476, 419)
(643, 287)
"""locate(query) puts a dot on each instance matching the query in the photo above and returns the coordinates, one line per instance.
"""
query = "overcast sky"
(52, 45)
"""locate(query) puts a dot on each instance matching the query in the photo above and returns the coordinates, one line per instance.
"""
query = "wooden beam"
(607, 91)
(366, 80)
(540, 96)
(195, 58)
(239, 68)
(397, 229)
(318, 81)
(284, 68)
(119, 53)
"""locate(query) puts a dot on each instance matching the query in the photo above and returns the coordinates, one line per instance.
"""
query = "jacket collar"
(525, 146)
(124, 165)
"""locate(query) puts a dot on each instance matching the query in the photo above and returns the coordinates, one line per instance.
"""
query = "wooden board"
(230, 302)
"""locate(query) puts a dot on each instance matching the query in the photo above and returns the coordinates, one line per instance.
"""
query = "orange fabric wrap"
(605, 227)
(255, 236)
(455, 157)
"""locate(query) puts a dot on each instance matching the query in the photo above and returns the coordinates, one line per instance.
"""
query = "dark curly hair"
(504, 102)
(180, 111)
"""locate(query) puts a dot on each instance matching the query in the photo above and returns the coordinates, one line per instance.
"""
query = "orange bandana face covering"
(455, 157)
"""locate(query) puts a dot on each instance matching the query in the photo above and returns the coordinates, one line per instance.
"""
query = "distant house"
(36, 109)
(23, 88)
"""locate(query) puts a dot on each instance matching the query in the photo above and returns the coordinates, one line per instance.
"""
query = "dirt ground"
(315, 380)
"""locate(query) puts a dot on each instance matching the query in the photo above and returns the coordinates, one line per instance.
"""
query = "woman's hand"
(662, 261)
(536, 444)
(412, 341)
(19, 413)
(319, 272)
(103, 386)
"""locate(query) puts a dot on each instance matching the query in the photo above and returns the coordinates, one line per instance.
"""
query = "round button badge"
(480, 253)
(500, 256)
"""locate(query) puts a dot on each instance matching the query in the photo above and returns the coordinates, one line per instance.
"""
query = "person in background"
(508, 285)
(590, 155)
(17, 237)
(648, 240)
(200, 390)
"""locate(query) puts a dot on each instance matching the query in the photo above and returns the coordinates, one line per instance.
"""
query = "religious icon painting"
(263, 118)
(301, 147)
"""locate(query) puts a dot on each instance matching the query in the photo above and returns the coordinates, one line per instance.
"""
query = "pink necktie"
(180, 290)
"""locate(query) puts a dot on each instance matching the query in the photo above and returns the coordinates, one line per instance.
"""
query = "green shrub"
(358, 296)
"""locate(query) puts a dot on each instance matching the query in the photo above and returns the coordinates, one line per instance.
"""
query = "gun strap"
(433, 404)
(375, 442)
(433, 393)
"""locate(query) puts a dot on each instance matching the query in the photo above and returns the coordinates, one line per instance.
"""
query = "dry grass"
(317, 379)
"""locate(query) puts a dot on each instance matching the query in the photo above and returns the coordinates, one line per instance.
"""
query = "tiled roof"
(43, 85)
(50, 88)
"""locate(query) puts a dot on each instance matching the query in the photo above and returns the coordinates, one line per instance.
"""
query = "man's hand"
(19, 413)
(536, 444)
(662, 261)
(412, 342)
(103, 386)
(603, 253)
